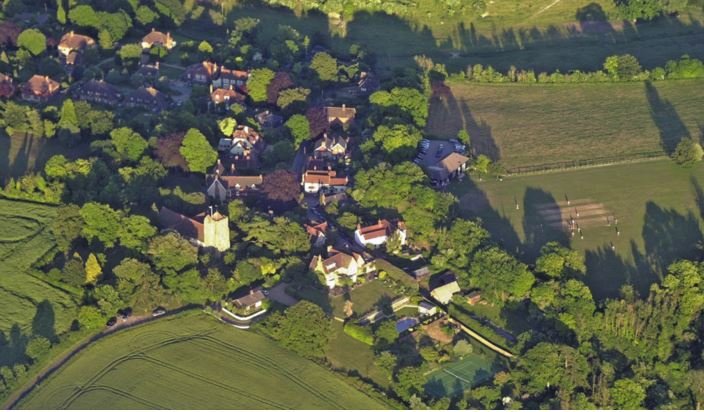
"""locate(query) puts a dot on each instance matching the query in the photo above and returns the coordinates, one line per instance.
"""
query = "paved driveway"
(278, 293)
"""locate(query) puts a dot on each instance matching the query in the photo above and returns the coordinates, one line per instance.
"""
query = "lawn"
(364, 298)
(27, 300)
(532, 125)
(659, 207)
(348, 353)
(20, 154)
(193, 362)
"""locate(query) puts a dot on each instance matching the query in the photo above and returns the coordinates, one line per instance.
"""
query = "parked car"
(111, 322)
(158, 312)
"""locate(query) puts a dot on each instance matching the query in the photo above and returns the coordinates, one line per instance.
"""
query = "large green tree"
(325, 66)
(199, 154)
(258, 83)
(33, 41)
(303, 328)
(299, 128)
(128, 143)
(172, 253)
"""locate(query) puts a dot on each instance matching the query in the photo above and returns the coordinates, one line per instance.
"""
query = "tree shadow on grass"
(669, 236)
(607, 272)
(542, 221)
(13, 346)
(44, 321)
(670, 126)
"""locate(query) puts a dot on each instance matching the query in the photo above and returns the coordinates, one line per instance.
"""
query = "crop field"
(531, 125)
(635, 219)
(26, 299)
(193, 362)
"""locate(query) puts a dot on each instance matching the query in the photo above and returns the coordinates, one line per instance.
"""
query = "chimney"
(343, 106)
(232, 168)
(246, 129)
(329, 248)
(70, 34)
(157, 65)
(329, 168)
(219, 161)
(211, 88)
(210, 210)
(153, 29)
(231, 87)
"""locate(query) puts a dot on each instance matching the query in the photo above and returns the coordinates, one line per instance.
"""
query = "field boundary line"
(549, 170)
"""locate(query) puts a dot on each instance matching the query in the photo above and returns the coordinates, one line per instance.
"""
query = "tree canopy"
(197, 151)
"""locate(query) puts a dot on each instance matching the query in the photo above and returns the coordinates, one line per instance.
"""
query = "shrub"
(361, 333)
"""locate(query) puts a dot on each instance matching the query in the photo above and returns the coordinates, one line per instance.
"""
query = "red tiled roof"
(324, 177)
(41, 86)
(317, 230)
(184, 225)
(222, 95)
(75, 41)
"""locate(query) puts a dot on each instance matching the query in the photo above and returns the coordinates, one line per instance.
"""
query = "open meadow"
(193, 361)
(532, 125)
(28, 302)
(635, 219)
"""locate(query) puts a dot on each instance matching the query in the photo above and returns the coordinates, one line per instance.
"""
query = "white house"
(379, 233)
(339, 265)
(313, 181)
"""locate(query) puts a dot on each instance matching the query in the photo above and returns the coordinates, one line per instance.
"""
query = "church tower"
(216, 231)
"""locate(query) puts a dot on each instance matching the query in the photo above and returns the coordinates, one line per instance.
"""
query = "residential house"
(421, 273)
(251, 301)
(269, 119)
(331, 147)
(7, 86)
(224, 184)
(205, 230)
(379, 233)
(450, 167)
(448, 287)
(225, 96)
(340, 266)
(242, 148)
(426, 308)
(203, 72)
(150, 71)
(40, 88)
(314, 181)
(344, 116)
(72, 42)
(148, 98)
(98, 91)
(473, 297)
(230, 78)
(158, 38)
(317, 233)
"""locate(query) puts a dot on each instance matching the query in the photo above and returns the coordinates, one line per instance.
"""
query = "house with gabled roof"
(451, 166)
(344, 116)
(225, 184)
(332, 146)
(40, 88)
(253, 300)
(377, 234)
(74, 42)
(149, 98)
(231, 78)
(98, 91)
(205, 229)
(446, 289)
(225, 96)
(7, 86)
(314, 181)
(317, 233)
(203, 72)
(337, 266)
(268, 119)
(157, 38)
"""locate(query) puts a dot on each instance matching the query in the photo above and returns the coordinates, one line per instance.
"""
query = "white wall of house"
(377, 241)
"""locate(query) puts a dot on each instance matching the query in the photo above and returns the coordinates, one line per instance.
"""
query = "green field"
(530, 125)
(193, 362)
(27, 300)
(544, 35)
(659, 207)
(20, 154)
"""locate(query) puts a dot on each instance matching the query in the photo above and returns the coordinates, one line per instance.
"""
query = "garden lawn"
(659, 207)
(347, 353)
(531, 125)
(193, 362)
(364, 298)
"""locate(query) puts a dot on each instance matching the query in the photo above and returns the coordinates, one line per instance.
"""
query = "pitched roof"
(336, 260)
(100, 88)
(187, 227)
(220, 95)
(326, 142)
(75, 41)
(453, 161)
(41, 85)
(324, 177)
(241, 181)
(380, 229)
(206, 68)
(317, 230)
(157, 37)
(234, 74)
(444, 293)
(343, 112)
(149, 96)
(251, 298)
